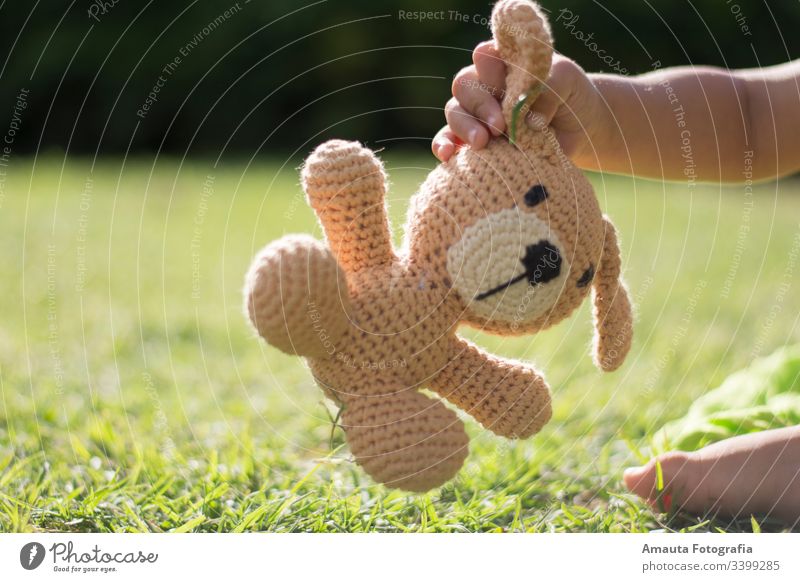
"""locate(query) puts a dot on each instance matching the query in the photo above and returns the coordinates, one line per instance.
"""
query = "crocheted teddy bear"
(508, 239)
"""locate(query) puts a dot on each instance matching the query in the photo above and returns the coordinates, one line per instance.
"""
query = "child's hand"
(570, 103)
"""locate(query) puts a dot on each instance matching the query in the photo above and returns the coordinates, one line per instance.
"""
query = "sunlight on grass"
(135, 398)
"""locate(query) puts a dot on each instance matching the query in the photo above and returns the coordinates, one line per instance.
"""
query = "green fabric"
(763, 396)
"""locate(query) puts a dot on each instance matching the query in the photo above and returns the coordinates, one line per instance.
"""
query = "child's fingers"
(546, 105)
(558, 89)
(490, 66)
(445, 143)
(465, 125)
(491, 69)
(478, 98)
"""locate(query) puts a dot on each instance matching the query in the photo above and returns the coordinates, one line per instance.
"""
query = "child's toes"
(678, 482)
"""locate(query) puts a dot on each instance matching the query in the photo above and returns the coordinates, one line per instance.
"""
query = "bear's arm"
(346, 186)
(509, 398)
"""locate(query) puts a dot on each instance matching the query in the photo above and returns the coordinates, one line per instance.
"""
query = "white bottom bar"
(390, 557)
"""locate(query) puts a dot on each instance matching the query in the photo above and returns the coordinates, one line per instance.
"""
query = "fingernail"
(632, 472)
(494, 124)
(537, 120)
(472, 136)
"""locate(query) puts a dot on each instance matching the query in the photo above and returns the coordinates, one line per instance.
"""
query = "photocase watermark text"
(569, 21)
(197, 233)
(100, 8)
(184, 51)
(456, 16)
(10, 137)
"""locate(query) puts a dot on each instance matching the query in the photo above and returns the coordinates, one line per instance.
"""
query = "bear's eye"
(587, 277)
(536, 195)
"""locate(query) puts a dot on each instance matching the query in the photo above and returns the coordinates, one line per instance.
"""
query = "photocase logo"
(31, 555)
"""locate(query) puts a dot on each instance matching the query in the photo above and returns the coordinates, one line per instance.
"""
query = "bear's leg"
(296, 297)
(405, 440)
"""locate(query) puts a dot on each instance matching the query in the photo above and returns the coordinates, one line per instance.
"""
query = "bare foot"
(757, 473)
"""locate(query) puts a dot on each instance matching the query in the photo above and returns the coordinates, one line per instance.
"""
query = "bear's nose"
(542, 263)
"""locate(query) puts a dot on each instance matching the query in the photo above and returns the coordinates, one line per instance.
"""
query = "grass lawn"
(133, 397)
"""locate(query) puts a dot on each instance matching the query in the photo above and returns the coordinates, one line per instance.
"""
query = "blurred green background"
(280, 74)
(133, 395)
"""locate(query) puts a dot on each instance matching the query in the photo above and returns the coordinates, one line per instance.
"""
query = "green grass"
(135, 398)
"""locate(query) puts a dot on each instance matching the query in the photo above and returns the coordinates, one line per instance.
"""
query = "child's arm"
(679, 123)
(702, 122)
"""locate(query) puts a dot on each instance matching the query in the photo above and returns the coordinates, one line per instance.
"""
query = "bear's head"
(515, 229)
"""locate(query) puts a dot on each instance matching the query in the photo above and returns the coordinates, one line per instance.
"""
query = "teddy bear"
(509, 239)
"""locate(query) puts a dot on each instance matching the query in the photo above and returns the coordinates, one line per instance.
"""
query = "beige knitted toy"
(508, 239)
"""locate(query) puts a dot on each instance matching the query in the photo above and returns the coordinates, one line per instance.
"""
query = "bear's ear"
(523, 38)
(613, 319)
